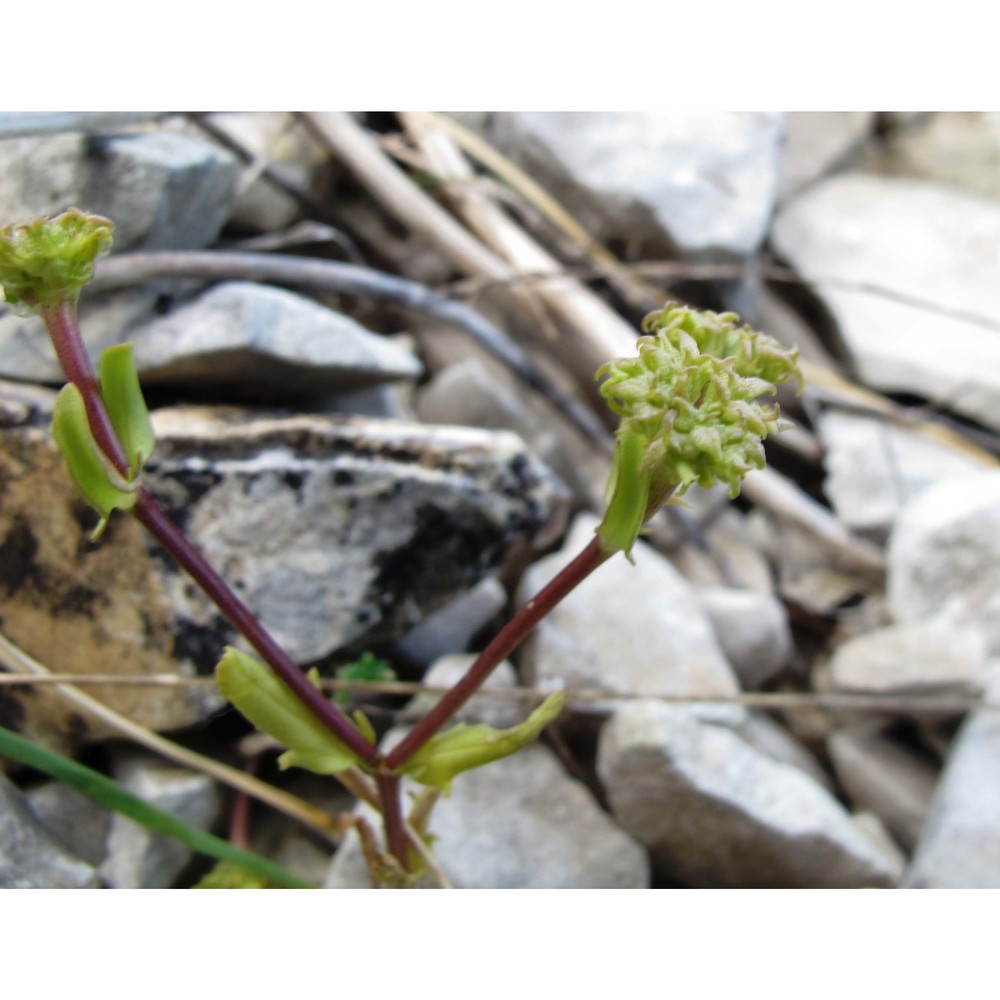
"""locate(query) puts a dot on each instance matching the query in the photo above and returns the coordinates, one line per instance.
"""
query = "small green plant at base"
(689, 414)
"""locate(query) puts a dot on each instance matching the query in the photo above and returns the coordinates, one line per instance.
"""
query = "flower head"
(688, 409)
(48, 261)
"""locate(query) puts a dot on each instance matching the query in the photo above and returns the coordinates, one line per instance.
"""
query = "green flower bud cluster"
(688, 411)
(47, 262)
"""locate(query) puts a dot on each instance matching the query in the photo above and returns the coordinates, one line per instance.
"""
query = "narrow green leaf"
(126, 407)
(464, 747)
(99, 483)
(273, 708)
(629, 487)
(111, 795)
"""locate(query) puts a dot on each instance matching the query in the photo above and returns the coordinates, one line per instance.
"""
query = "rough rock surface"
(520, 823)
(698, 181)
(74, 820)
(77, 606)
(626, 629)
(816, 142)
(262, 343)
(338, 529)
(874, 468)
(716, 813)
(161, 189)
(137, 857)
(956, 148)
(30, 857)
(944, 556)
(753, 631)
(237, 341)
(884, 778)
(334, 529)
(959, 847)
(926, 657)
(498, 712)
(918, 241)
(452, 628)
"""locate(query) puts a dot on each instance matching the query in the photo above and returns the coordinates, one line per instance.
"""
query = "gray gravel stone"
(816, 142)
(453, 627)
(874, 468)
(884, 778)
(944, 556)
(76, 821)
(138, 858)
(920, 657)
(161, 189)
(753, 631)
(715, 812)
(501, 713)
(261, 343)
(519, 823)
(30, 857)
(345, 529)
(703, 181)
(960, 844)
(918, 241)
(626, 629)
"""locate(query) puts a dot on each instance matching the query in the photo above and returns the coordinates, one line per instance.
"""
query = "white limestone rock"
(944, 556)
(716, 813)
(959, 847)
(699, 181)
(816, 142)
(518, 823)
(137, 857)
(753, 631)
(30, 856)
(919, 657)
(875, 467)
(627, 630)
(923, 243)
(881, 776)
(259, 343)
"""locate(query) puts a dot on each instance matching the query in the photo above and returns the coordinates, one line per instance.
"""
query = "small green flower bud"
(48, 261)
(688, 410)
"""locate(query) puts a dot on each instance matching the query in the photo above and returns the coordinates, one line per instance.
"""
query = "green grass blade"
(112, 796)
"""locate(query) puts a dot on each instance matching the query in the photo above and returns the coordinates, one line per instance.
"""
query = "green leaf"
(629, 486)
(274, 708)
(94, 476)
(111, 795)
(122, 396)
(464, 747)
(366, 668)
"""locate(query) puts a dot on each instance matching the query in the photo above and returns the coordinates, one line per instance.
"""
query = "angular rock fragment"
(922, 315)
(959, 847)
(338, 530)
(875, 467)
(882, 777)
(626, 629)
(137, 857)
(816, 142)
(333, 529)
(753, 631)
(259, 344)
(944, 556)
(716, 813)
(77, 606)
(697, 181)
(30, 857)
(519, 823)
(920, 657)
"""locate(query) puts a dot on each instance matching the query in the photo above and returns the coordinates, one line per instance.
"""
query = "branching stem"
(505, 642)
